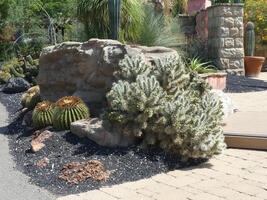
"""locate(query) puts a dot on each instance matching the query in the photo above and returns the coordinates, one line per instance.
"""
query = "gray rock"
(15, 85)
(86, 69)
(94, 130)
(229, 106)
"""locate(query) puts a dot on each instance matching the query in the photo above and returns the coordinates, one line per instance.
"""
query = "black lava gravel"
(63, 147)
(238, 84)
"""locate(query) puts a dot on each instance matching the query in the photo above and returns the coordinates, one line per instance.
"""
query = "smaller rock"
(38, 138)
(43, 162)
(27, 119)
(16, 85)
(95, 130)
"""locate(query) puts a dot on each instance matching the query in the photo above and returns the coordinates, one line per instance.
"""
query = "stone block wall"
(225, 37)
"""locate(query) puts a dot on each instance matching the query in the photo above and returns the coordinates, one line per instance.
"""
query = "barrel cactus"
(42, 115)
(31, 98)
(250, 39)
(67, 110)
(4, 77)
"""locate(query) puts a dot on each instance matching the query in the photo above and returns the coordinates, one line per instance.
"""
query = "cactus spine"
(114, 17)
(68, 110)
(42, 115)
(250, 40)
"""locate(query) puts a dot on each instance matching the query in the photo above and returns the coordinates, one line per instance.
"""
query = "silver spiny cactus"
(165, 107)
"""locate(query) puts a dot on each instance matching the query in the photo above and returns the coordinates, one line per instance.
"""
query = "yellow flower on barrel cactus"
(42, 115)
(68, 110)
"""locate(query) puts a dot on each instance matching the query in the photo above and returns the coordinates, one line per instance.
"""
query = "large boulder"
(95, 130)
(86, 69)
(15, 85)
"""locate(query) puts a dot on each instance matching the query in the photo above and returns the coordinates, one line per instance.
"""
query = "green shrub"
(158, 30)
(200, 67)
(42, 115)
(92, 12)
(166, 107)
(179, 7)
(68, 110)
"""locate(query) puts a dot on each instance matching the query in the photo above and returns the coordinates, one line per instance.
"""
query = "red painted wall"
(197, 5)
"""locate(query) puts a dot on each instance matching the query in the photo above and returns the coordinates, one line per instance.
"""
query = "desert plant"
(133, 104)
(31, 97)
(114, 7)
(200, 67)
(255, 11)
(4, 77)
(67, 110)
(26, 68)
(42, 115)
(168, 108)
(179, 7)
(131, 68)
(159, 30)
(250, 40)
(170, 72)
(91, 12)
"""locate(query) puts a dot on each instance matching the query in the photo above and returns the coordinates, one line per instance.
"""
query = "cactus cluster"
(166, 107)
(4, 77)
(68, 110)
(27, 68)
(31, 98)
(250, 39)
(42, 115)
(61, 115)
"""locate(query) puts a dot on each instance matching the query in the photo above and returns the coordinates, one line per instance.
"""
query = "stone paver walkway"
(251, 116)
(234, 175)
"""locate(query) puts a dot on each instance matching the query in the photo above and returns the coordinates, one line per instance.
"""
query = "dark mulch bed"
(238, 84)
(63, 147)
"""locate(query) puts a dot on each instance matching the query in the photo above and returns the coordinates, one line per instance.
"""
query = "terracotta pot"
(253, 65)
(215, 80)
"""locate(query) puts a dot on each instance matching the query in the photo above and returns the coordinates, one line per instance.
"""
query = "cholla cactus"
(190, 130)
(170, 72)
(131, 68)
(131, 105)
(166, 107)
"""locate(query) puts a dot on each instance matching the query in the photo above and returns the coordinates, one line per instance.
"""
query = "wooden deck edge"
(246, 141)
